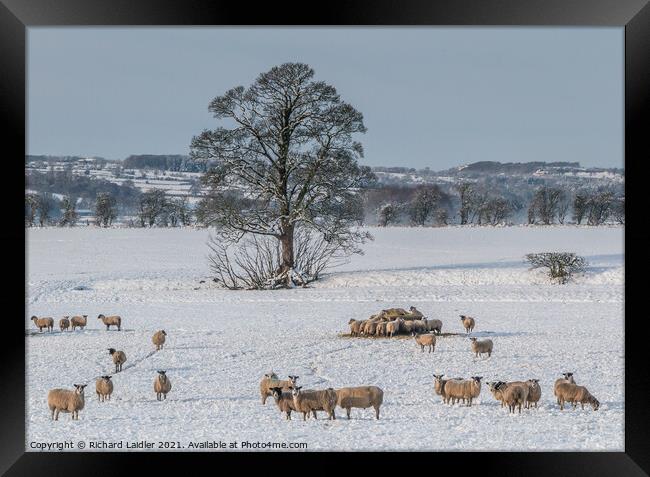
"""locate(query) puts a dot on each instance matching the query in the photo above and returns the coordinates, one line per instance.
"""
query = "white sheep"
(46, 322)
(567, 378)
(393, 327)
(433, 325)
(64, 323)
(104, 388)
(79, 321)
(361, 397)
(355, 327)
(271, 380)
(65, 400)
(162, 385)
(381, 328)
(468, 323)
(425, 340)
(158, 339)
(467, 390)
(419, 326)
(119, 358)
(481, 347)
(284, 401)
(439, 387)
(569, 392)
(109, 321)
(312, 401)
(534, 392)
(514, 394)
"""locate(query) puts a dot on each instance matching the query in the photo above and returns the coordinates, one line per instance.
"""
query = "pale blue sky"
(437, 97)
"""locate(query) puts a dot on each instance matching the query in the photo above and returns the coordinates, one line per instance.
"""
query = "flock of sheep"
(514, 394)
(290, 397)
(73, 401)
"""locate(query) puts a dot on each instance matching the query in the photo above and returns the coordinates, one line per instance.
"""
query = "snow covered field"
(220, 343)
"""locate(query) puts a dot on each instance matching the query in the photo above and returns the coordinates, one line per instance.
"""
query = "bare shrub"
(561, 265)
(252, 263)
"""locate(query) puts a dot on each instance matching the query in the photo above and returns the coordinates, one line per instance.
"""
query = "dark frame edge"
(634, 461)
(637, 150)
(12, 234)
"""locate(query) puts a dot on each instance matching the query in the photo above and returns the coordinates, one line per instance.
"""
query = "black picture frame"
(634, 15)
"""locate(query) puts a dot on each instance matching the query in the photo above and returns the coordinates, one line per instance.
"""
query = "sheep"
(119, 358)
(393, 327)
(370, 327)
(64, 323)
(534, 392)
(381, 328)
(79, 321)
(407, 326)
(468, 323)
(425, 340)
(480, 347)
(439, 387)
(467, 389)
(513, 394)
(433, 325)
(361, 397)
(419, 326)
(312, 401)
(362, 327)
(414, 313)
(162, 385)
(496, 392)
(568, 392)
(355, 327)
(45, 322)
(158, 339)
(113, 320)
(104, 388)
(284, 400)
(568, 378)
(271, 380)
(65, 400)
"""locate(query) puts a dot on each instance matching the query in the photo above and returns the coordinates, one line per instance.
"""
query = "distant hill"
(493, 167)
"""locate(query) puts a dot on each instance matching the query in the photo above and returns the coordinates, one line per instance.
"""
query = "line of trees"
(484, 204)
(462, 203)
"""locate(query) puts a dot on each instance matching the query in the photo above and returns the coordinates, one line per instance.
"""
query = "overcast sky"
(437, 97)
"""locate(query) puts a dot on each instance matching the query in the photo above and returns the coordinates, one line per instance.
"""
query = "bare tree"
(600, 207)
(496, 211)
(423, 204)
(465, 193)
(153, 208)
(105, 209)
(45, 206)
(69, 214)
(580, 206)
(289, 149)
(179, 211)
(31, 209)
(563, 205)
(388, 214)
(618, 210)
(561, 265)
(442, 216)
(545, 204)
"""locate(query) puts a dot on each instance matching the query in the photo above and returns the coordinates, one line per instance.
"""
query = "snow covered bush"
(561, 265)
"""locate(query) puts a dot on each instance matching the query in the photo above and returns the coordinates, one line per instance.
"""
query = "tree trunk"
(286, 242)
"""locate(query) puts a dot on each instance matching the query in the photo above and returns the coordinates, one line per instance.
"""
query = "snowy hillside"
(220, 343)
